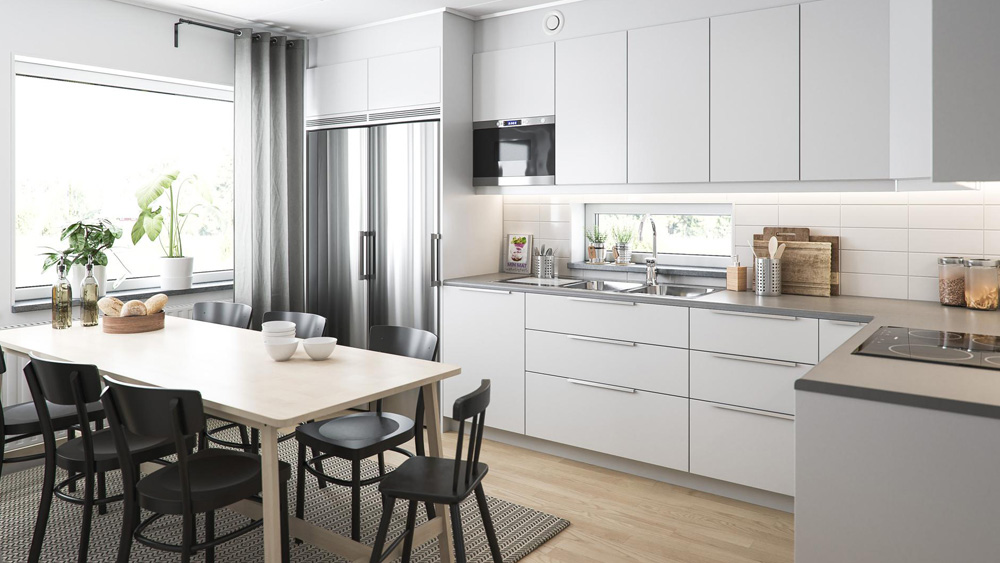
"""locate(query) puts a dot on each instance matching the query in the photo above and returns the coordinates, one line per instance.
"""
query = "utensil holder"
(545, 267)
(767, 272)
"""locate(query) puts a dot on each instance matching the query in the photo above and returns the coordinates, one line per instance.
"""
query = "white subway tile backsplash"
(554, 230)
(743, 234)
(521, 227)
(757, 199)
(922, 264)
(946, 216)
(822, 198)
(873, 239)
(520, 212)
(874, 198)
(809, 215)
(956, 197)
(892, 216)
(991, 242)
(873, 262)
(871, 285)
(923, 289)
(946, 241)
(755, 215)
(554, 212)
(991, 217)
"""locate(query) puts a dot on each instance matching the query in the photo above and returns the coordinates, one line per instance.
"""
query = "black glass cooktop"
(934, 346)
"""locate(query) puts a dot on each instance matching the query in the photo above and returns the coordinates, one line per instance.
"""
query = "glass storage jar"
(951, 281)
(982, 284)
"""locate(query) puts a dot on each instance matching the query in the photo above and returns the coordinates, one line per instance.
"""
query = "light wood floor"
(618, 517)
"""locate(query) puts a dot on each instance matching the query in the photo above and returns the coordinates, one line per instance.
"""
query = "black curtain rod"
(177, 25)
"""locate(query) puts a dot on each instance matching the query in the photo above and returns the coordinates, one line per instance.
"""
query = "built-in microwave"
(514, 152)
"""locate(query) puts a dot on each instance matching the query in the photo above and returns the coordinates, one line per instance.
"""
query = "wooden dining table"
(238, 381)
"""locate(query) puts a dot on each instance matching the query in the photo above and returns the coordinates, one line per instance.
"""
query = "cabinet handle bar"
(478, 290)
(602, 301)
(756, 315)
(601, 386)
(754, 411)
(756, 360)
(601, 340)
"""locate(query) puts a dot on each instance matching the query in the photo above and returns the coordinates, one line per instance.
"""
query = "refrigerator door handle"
(363, 255)
(371, 255)
(435, 260)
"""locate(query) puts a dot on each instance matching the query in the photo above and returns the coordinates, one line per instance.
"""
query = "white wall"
(97, 33)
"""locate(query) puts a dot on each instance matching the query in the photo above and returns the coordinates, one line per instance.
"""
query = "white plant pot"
(176, 273)
(75, 277)
(101, 273)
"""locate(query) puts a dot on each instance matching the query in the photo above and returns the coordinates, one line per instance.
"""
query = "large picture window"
(85, 142)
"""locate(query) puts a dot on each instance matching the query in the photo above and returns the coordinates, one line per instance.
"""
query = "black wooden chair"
(201, 482)
(441, 481)
(359, 436)
(216, 312)
(92, 454)
(307, 325)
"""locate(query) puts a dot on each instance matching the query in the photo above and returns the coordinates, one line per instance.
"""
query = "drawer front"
(775, 337)
(833, 334)
(662, 325)
(635, 425)
(744, 381)
(743, 446)
(616, 362)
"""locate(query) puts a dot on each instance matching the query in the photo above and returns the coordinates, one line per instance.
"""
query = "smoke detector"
(553, 22)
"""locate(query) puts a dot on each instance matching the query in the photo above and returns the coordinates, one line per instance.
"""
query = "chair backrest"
(230, 314)
(403, 341)
(66, 384)
(471, 406)
(307, 325)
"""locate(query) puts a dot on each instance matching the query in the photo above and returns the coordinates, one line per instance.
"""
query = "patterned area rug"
(520, 530)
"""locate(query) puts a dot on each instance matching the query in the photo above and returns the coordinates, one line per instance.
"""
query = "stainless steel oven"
(515, 152)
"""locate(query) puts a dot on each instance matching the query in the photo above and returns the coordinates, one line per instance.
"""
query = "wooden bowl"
(132, 325)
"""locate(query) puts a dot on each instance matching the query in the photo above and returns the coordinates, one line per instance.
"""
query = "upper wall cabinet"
(845, 90)
(591, 110)
(339, 88)
(405, 79)
(668, 113)
(514, 83)
(755, 96)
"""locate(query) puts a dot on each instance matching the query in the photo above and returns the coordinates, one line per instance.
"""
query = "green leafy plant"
(622, 234)
(88, 241)
(596, 235)
(156, 221)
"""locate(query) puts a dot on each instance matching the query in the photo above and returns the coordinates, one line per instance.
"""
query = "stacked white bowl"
(278, 329)
(279, 339)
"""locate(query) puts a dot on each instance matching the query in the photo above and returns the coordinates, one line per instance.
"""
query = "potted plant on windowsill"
(595, 252)
(159, 223)
(88, 241)
(623, 244)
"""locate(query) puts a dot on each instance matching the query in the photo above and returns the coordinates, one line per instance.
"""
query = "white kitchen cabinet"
(845, 89)
(336, 89)
(662, 325)
(482, 332)
(668, 94)
(619, 421)
(514, 83)
(405, 79)
(833, 334)
(745, 381)
(775, 337)
(746, 446)
(650, 368)
(591, 109)
(755, 96)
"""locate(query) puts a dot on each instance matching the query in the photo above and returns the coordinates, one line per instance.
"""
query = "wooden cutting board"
(834, 261)
(800, 234)
(805, 267)
(785, 234)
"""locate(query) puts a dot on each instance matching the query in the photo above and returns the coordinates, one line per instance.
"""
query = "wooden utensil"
(772, 247)
(781, 250)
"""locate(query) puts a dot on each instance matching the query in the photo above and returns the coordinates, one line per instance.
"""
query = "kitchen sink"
(610, 286)
(675, 290)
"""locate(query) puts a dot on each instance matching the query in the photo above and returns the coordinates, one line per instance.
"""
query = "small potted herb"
(623, 244)
(595, 251)
(88, 241)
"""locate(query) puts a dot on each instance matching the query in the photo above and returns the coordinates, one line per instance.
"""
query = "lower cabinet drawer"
(753, 448)
(744, 381)
(637, 425)
(627, 364)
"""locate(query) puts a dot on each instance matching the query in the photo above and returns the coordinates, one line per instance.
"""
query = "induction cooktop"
(933, 346)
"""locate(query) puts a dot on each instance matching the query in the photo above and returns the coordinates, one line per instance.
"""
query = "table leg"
(432, 418)
(272, 502)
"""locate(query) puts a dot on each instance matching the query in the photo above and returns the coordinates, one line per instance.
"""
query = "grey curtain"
(269, 172)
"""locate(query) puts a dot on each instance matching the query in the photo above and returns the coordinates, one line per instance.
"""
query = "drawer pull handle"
(846, 323)
(601, 340)
(756, 360)
(756, 315)
(755, 411)
(601, 386)
(478, 290)
(602, 301)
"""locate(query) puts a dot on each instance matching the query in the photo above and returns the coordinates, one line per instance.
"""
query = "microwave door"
(513, 157)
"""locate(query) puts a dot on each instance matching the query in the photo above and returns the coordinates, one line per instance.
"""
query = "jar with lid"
(951, 281)
(982, 284)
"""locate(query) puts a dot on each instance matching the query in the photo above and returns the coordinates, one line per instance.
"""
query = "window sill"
(141, 294)
(692, 271)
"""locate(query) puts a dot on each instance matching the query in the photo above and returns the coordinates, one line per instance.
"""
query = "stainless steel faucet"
(650, 262)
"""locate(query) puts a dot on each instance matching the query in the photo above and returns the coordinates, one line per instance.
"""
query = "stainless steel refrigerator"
(373, 228)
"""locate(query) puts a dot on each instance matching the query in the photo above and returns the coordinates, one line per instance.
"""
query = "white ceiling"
(316, 17)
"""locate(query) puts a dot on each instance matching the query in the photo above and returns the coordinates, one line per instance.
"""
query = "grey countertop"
(934, 386)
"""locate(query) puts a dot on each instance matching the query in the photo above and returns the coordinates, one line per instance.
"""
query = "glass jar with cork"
(982, 284)
(951, 281)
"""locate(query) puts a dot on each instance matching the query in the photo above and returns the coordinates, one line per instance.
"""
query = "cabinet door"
(845, 89)
(514, 83)
(755, 96)
(482, 332)
(591, 110)
(334, 89)
(833, 334)
(774, 337)
(668, 103)
(405, 79)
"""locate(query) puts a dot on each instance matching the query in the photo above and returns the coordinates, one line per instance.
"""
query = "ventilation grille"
(327, 121)
(404, 114)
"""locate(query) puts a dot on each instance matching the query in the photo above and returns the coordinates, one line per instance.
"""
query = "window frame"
(591, 210)
(41, 68)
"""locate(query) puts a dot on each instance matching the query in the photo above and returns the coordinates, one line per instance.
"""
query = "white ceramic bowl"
(277, 326)
(319, 348)
(280, 349)
(286, 334)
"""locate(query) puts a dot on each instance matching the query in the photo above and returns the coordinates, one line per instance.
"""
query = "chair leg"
(71, 435)
(388, 505)
(254, 441)
(209, 536)
(319, 467)
(356, 499)
(411, 525)
(188, 523)
(491, 534)
(102, 493)
(44, 506)
(244, 440)
(300, 484)
(431, 513)
(130, 521)
(456, 528)
(283, 500)
(381, 464)
(88, 515)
